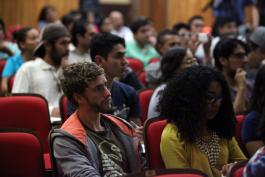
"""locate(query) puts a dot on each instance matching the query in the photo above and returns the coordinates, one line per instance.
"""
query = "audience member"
(48, 14)
(230, 57)
(184, 32)
(165, 40)
(250, 134)
(257, 52)
(108, 50)
(105, 25)
(7, 49)
(140, 47)
(119, 28)
(82, 34)
(27, 39)
(199, 134)
(196, 23)
(91, 143)
(41, 75)
(172, 61)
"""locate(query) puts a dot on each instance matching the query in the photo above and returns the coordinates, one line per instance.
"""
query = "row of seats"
(30, 113)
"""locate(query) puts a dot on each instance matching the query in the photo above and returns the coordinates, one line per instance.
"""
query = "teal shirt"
(134, 51)
(12, 65)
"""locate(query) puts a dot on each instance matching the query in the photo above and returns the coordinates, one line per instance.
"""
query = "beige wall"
(26, 12)
(164, 13)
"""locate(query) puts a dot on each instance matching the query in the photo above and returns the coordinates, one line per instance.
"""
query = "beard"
(56, 56)
(104, 107)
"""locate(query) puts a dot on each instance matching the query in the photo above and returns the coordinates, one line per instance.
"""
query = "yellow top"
(177, 154)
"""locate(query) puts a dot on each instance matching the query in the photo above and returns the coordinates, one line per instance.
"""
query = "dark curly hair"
(171, 62)
(76, 78)
(183, 103)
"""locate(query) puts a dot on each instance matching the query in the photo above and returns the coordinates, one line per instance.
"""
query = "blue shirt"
(12, 65)
(231, 8)
(250, 126)
(125, 102)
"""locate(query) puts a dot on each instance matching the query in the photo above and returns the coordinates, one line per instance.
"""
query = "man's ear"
(78, 98)
(47, 45)
(99, 60)
(223, 61)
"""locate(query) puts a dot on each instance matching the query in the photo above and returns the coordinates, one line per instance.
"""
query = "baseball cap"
(52, 31)
(258, 37)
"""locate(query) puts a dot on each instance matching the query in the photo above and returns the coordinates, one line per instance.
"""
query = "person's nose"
(107, 92)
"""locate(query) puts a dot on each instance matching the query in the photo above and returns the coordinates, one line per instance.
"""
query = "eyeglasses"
(189, 61)
(212, 99)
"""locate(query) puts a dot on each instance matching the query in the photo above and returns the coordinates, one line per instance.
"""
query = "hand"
(240, 77)
(194, 43)
(138, 130)
(55, 112)
(226, 168)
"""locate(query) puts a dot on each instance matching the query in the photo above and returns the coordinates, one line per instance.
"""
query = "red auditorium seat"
(144, 100)
(63, 108)
(136, 65)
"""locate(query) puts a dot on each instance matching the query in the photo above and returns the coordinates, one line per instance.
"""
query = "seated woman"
(250, 135)
(201, 125)
(27, 39)
(172, 61)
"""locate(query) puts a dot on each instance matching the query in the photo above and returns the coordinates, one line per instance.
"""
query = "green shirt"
(133, 50)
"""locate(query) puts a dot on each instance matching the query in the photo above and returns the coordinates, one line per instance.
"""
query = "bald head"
(116, 18)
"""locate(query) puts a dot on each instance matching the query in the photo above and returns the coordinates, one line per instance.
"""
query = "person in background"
(250, 131)
(41, 75)
(172, 61)
(196, 23)
(27, 39)
(140, 47)
(257, 52)
(108, 50)
(165, 40)
(7, 48)
(48, 14)
(119, 28)
(230, 56)
(105, 25)
(92, 143)
(82, 34)
(201, 122)
(184, 32)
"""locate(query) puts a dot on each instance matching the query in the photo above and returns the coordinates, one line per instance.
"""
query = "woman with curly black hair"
(201, 122)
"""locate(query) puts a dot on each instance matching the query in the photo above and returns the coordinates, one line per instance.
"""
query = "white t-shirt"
(152, 109)
(39, 77)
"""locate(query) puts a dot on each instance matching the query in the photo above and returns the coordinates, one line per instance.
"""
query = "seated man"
(107, 50)
(91, 143)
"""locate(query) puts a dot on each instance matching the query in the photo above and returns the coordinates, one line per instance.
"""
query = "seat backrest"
(21, 155)
(239, 123)
(153, 129)
(144, 100)
(236, 170)
(181, 172)
(27, 112)
(136, 65)
(142, 78)
(63, 108)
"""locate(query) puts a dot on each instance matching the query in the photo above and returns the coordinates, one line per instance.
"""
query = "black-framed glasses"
(212, 98)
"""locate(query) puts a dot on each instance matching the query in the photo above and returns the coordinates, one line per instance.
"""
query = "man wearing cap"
(41, 75)
(257, 52)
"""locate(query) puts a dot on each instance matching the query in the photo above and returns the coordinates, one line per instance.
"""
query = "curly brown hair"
(76, 78)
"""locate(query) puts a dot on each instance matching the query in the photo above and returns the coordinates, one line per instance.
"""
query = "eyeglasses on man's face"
(213, 98)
